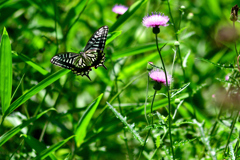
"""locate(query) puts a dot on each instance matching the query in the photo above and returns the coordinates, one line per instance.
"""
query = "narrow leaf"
(81, 130)
(6, 71)
(130, 127)
(6, 136)
(36, 145)
(53, 148)
(31, 63)
(34, 90)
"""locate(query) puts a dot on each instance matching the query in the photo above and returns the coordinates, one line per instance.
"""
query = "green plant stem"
(234, 38)
(154, 95)
(145, 108)
(144, 143)
(120, 109)
(55, 25)
(176, 36)
(232, 127)
(169, 103)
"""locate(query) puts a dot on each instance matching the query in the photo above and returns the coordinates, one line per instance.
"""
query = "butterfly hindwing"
(93, 55)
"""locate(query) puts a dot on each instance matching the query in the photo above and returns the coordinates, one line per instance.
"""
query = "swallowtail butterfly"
(92, 56)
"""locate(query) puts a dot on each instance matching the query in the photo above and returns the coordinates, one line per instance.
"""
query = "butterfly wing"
(73, 61)
(98, 39)
(92, 56)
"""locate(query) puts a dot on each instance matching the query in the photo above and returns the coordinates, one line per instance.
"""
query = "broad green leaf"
(6, 136)
(81, 129)
(34, 90)
(31, 63)
(6, 71)
(130, 127)
(36, 145)
(53, 148)
(131, 10)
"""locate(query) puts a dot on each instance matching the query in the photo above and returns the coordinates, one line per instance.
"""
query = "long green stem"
(152, 104)
(144, 143)
(176, 36)
(235, 37)
(232, 127)
(120, 109)
(145, 108)
(169, 103)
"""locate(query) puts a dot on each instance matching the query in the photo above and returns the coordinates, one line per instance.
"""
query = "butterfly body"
(92, 56)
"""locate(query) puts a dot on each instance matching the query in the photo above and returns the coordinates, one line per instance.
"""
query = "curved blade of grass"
(6, 136)
(36, 145)
(137, 50)
(31, 63)
(34, 90)
(130, 127)
(6, 71)
(131, 10)
(53, 148)
(112, 36)
(81, 130)
(137, 65)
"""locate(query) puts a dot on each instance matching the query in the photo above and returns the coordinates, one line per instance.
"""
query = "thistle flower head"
(155, 20)
(119, 9)
(159, 76)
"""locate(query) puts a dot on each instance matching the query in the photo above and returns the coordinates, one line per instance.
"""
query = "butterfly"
(92, 56)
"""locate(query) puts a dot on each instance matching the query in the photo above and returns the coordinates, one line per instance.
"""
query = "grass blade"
(34, 90)
(31, 63)
(130, 127)
(6, 71)
(6, 136)
(81, 130)
(36, 145)
(53, 148)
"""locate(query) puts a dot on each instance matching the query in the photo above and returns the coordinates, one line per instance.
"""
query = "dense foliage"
(122, 113)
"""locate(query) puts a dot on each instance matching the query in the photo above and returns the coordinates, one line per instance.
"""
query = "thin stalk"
(169, 103)
(234, 38)
(154, 95)
(145, 108)
(55, 25)
(145, 142)
(232, 127)
(120, 109)
(176, 36)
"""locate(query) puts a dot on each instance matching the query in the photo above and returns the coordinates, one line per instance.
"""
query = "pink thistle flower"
(155, 20)
(119, 9)
(159, 76)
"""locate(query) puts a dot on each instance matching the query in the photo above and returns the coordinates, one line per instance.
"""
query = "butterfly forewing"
(65, 60)
(98, 39)
(93, 55)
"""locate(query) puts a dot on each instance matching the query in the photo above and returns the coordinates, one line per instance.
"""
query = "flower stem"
(234, 38)
(144, 143)
(145, 108)
(169, 103)
(232, 127)
(152, 105)
(175, 30)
